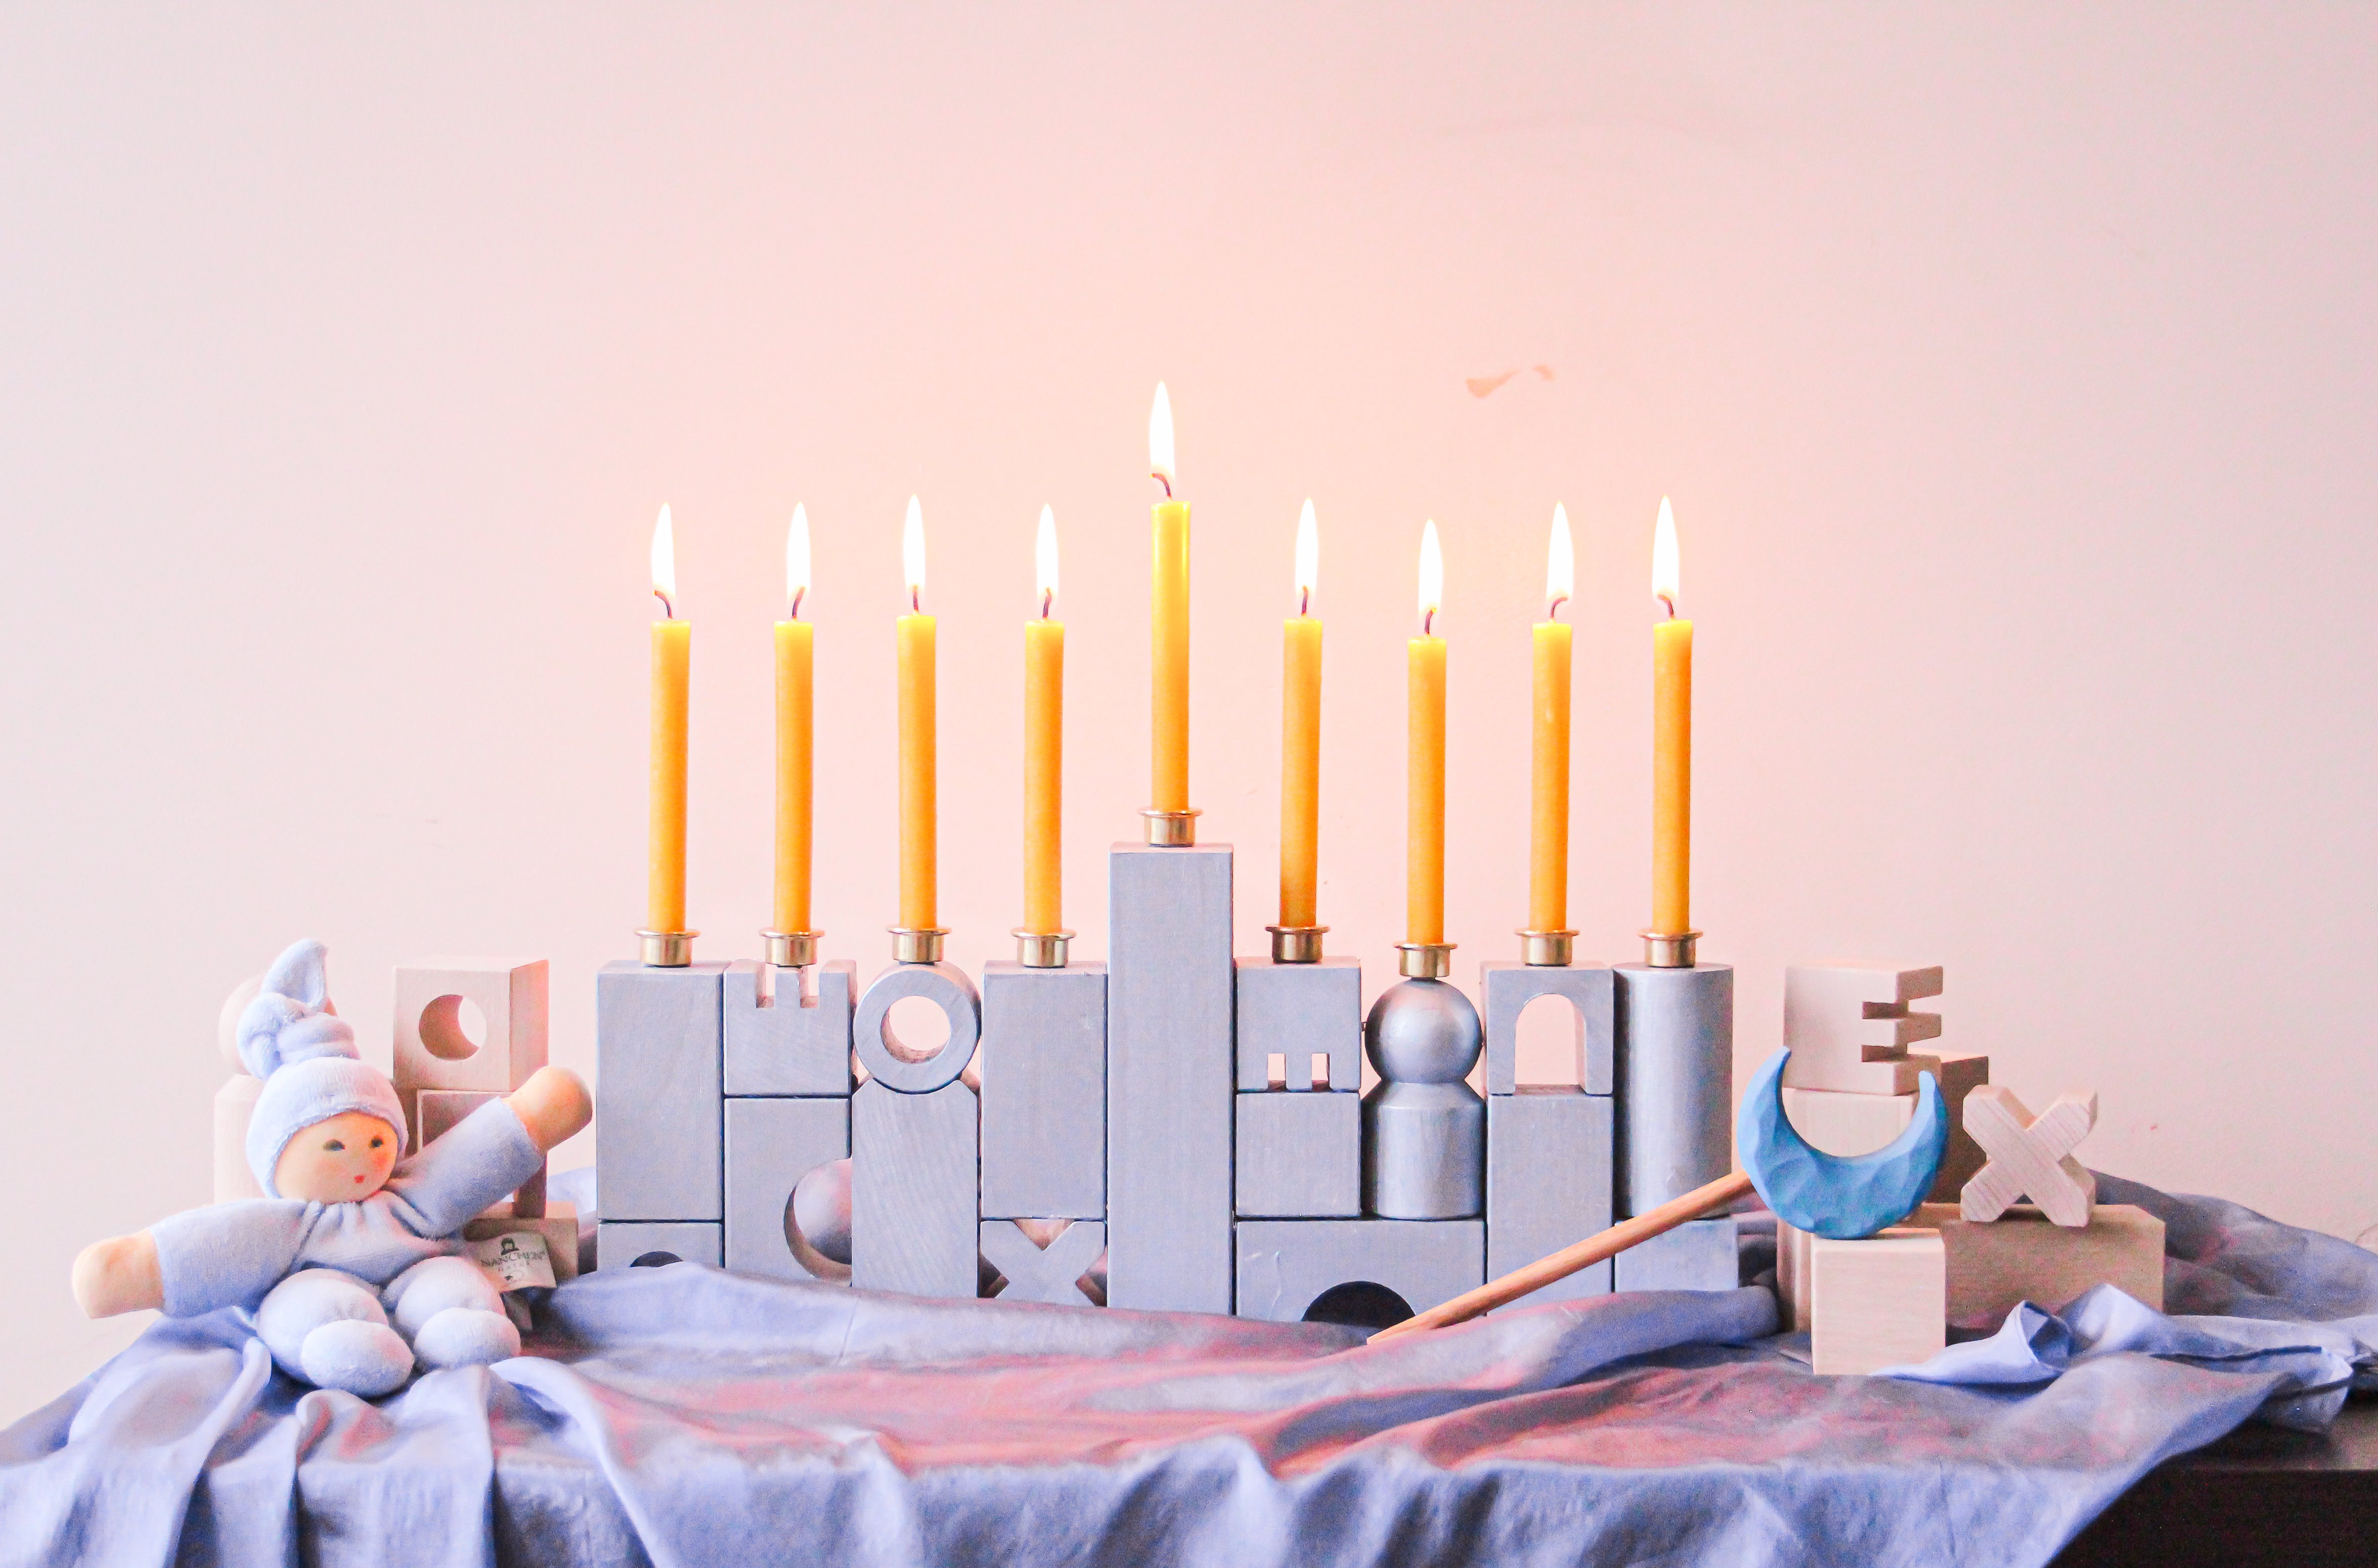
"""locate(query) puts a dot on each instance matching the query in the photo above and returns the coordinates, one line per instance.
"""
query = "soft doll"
(351, 1263)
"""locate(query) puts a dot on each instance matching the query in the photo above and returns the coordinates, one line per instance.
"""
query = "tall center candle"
(1671, 743)
(1168, 620)
(796, 735)
(1300, 742)
(1548, 794)
(672, 659)
(1044, 745)
(918, 812)
(1424, 759)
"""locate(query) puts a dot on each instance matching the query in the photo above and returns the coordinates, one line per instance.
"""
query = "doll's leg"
(327, 1328)
(452, 1313)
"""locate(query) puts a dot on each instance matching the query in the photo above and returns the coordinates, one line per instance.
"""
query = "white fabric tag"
(517, 1258)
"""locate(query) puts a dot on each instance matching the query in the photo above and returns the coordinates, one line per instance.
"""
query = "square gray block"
(1300, 1157)
(1296, 1010)
(657, 1096)
(1168, 1078)
(1049, 1274)
(1548, 1184)
(1044, 1091)
(913, 1169)
(771, 1144)
(1698, 1255)
(618, 1243)
(1508, 989)
(1284, 1265)
(793, 1045)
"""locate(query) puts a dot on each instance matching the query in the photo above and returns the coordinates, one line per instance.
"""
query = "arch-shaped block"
(1285, 1264)
(1588, 987)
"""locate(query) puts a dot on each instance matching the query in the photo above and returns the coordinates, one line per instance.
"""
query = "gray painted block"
(1589, 990)
(771, 1144)
(1284, 1264)
(618, 1243)
(1676, 1074)
(1424, 1151)
(657, 1095)
(1168, 1078)
(913, 1167)
(896, 1066)
(1044, 1091)
(790, 1044)
(1698, 1255)
(1049, 1274)
(1548, 1184)
(1296, 1010)
(1300, 1157)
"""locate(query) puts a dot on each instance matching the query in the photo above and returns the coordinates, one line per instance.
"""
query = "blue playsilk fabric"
(679, 1414)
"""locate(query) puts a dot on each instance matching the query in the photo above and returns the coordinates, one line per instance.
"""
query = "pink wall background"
(2015, 372)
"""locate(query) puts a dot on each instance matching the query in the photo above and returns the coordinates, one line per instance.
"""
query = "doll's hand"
(119, 1275)
(552, 1105)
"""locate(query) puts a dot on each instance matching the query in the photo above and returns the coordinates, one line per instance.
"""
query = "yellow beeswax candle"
(1300, 741)
(672, 656)
(796, 735)
(1548, 794)
(1424, 759)
(1671, 743)
(917, 736)
(1168, 701)
(1044, 745)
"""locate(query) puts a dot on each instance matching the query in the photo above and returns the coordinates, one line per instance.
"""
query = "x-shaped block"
(2030, 1154)
(1038, 1273)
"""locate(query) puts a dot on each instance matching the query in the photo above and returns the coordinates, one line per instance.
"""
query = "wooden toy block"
(1423, 1127)
(661, 1151)
(788, 1031)
(234, 1105)
(1044, 1091)
(1548, 1183)
(1300, 1155)
(437, 1110)
(557, 1225)
(433, 1048)
(1287, 1268)
(1851, 1124)
(1051, 1273)
(771, 1144)
(621, 1244)
(1170, 1077)
(1878, 1301)
(1848, 1026)
(1296, 1011)
(1701, 1254)
(914, 1164)
(2023, 1256)
(1675, 1066)
(899, 1067)
(2030, 1155)
(1591, 993)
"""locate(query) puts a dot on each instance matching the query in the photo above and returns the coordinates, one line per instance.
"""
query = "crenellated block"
(1336, 1270)
(1848, 1026)
(914, 1165)
(1548, 1183)
(661, 1152)
(771, 1144)
(1044, 1091)
(1300, 1155)
(1590, 990)
(1309, 1015)
(788, 1031)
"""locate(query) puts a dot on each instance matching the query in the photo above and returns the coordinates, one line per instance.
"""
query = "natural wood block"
(1848, 1026)
(433, 1045)
(2030, 1156)
(234, 1108)
(1851, 1124)
(1879, 1301)
(2023, 1257)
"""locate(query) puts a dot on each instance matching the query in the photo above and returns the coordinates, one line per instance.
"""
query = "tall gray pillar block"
(618, 1243)
(771, 1144)
(1676, 1075)
(1591, 993)
(791, 1046)
(1701, 1254)
(1044, 1091)
(1296, 1011)
(1300, 1157)
(1548, 1183)
(1168, 1078)
(657, 1092)
(1285, 1265)
(913, 1169)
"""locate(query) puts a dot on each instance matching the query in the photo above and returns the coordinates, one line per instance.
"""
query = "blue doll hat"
(306, 1056)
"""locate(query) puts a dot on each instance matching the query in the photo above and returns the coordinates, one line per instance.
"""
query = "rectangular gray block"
(1296, 1010)
(913, 1169)
(1284, 1265)
(793, 1045)
(657, 1096)
(1300, 1157)
(1676, 1074)
(771, 1144)
(1548, 1184)
(1051, 1274)
(1044, 1091)
(1699, 1254)
(618, 1243)
(1508, 989)
(1168, 1078)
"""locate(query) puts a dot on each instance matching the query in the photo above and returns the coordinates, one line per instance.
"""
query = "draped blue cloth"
(679, 1414)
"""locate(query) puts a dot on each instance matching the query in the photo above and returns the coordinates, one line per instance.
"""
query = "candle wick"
(799, 595)
(1048, 598)
(668, 610)
(915, 599)
(1428, 622)
(1164, 479)
(1552, 612)
(1670, 604)
(1303, 601)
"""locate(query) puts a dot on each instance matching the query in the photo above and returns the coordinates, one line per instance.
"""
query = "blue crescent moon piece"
(1829, 1194)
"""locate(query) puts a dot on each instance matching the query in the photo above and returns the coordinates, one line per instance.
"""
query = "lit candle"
(1672, 746)
(1044, 743)
(1548, 796)
(1169, 703)
(917, 749)
(1300, 741)
(1425, 760)
(672, 655)
(795, 735)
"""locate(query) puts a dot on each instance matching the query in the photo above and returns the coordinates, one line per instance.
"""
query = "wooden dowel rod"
(1568, 1260)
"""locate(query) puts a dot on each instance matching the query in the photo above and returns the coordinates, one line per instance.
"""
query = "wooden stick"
(1568, 1260)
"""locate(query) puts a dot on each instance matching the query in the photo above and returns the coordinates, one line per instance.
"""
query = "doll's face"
(342, 1160)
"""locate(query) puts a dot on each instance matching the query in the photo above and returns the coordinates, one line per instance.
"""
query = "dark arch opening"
(654, 1259)
(1358, 1304)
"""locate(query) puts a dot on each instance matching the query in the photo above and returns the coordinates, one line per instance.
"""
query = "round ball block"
(894, 1065)
(820, 1210)
(1423, 1032)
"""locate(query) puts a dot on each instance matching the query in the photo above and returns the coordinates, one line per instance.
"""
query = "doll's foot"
(357, 1356)
(466, 1337)
(327, 1328)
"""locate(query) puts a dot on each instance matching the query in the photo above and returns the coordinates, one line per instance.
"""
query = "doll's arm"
(119, 1274)
(553, 1104)
(225, 1255)
(489, 1152)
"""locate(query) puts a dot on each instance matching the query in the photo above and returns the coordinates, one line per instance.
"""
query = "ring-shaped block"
(944, 985)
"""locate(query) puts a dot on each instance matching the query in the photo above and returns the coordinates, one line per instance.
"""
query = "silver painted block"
(1698, 1255)
(1676, 1075)
(1168, 1078)
(1035, 1274)
(771, 1144)
(621, 1244)
(913, 1169)
(657, 1095)
(1300, 1157)
(896, 1066)
(789, 1041)
(1298, 1012)
(1508, 989)
(1424, 1151)
(1044, 1091)
(1548, 1183)
(1285, 1265)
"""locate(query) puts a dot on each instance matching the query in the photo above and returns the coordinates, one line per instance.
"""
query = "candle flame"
(1308, 559)
(1160, 439)
(1664, 559)
(1432, 577)
(664, 563)
(1560, 566)
(1044, 562)
(796, 560)
(912, 556)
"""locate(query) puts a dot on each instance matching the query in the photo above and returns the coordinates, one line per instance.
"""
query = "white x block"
(2030, 1154)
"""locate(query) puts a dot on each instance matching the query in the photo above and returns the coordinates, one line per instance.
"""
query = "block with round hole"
(771, 1144)
(474, 1023)
(652, 1243)
(897, 1066)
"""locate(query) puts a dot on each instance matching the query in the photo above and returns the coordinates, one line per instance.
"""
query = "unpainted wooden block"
(557, 1225)
(1701, 1254)
(1054, 1273)
(1849, 1124)
(661, 1151)
(1299, 1011)
(1300, 1155)
(1878, 1301)
(2028, 1155)
(1848, 1026)
(914, 1164)
(438, 1110)
(1285, 1266)
(2023, 1256)
(771, 1144)
(1548, 1184)
(788, 1031)
(432, 1044)
(1044, 1091)
(1591, 991)
(1674, 1055)
(234, 1105)
(621, 1244)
